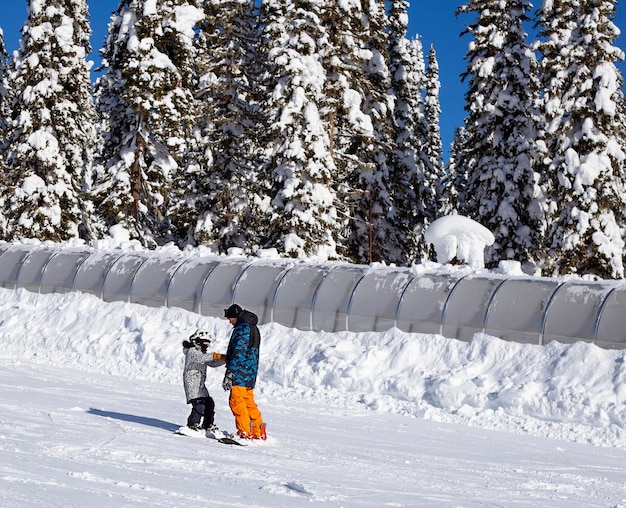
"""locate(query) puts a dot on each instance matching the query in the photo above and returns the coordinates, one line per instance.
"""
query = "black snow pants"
(202, 407)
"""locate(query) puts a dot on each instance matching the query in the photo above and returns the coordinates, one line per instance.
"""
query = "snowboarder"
(242, 363)
(197, 358)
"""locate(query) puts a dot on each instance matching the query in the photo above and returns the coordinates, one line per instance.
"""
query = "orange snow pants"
(248, 418)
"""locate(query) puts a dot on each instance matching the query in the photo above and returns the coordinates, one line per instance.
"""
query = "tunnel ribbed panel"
(10, 263)
(422, 302)
(293, 303)
(464, 312)
(374, 303)
(611, 321)
(256, 287)
(218, 289)
(573, 311)
(332, 296)
(91, 274)
(119, 278)
(188, 280)
(30, 273)
(517, 309)
(60, 270)
(152, 279)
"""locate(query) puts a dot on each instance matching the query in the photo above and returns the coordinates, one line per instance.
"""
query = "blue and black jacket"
(242, 357)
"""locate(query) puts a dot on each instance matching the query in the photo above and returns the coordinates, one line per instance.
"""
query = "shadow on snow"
(150, 422)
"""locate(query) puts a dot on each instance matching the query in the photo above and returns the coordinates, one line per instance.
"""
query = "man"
(242, 364)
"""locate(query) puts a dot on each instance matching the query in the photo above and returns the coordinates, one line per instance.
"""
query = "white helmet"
(201, 336)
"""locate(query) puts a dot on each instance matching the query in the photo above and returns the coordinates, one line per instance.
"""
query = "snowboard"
(229, 441)
(222, 437)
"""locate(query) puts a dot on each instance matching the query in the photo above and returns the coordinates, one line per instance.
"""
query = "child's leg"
(209, 412)
(238, 406)
(197, 411)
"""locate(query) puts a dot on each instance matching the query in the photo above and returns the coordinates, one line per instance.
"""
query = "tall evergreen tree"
(498, 147)
(433, 151)
(357, 84)
(146, 99)
(225, 187)
(50, 140)
(452, 187)
(4, 120)
(432, 112)
(584, 109)
(388, 227)
(413, 196)
(301, 214)
(4, 99)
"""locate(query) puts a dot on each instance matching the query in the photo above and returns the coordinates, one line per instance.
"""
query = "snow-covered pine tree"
(4, 121)
(412, 193)
(193, 180)
(225, 186)
(498, 150)
(301, 213)
(349, 130)
(50, 140)
(357, 87)
(432, 111)
(432, 154)
(4, 99)
(452, 187)
(388, 228)
(145, 97)
(584, 108)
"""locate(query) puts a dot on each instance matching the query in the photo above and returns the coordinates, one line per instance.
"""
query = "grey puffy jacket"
(194, 373)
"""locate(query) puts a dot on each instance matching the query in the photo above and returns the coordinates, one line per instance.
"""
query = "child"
(194, 376)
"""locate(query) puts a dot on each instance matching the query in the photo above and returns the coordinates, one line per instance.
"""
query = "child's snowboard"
(221, 436)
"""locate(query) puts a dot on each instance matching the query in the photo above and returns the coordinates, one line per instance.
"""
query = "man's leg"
(238, 406)
(254, 414)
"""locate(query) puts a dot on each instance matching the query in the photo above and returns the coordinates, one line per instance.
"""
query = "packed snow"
(91, 393)
(456, 236)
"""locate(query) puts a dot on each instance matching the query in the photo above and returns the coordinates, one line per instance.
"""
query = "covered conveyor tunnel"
(332, 296)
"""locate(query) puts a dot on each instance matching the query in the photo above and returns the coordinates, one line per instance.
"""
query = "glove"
(219, 356)
(227, 384)
(187, 344)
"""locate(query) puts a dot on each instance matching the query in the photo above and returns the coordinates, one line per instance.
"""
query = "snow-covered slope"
(90, 392)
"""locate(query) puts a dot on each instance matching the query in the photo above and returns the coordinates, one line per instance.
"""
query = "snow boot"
(262, 432)
(243, 435)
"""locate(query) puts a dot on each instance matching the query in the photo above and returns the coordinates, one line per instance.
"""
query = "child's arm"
(217, 360)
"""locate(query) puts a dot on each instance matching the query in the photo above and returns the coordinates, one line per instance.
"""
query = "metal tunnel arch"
(331, 296)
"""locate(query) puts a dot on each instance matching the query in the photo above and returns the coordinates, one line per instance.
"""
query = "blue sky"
(433, 20)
